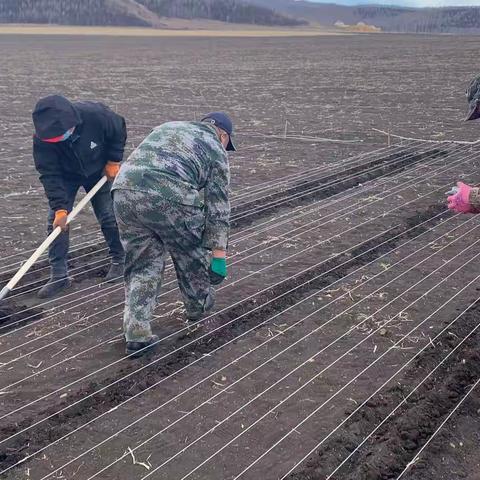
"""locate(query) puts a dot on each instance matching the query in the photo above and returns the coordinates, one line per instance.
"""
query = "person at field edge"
(74, 145)
(171, 196)
(466, 198)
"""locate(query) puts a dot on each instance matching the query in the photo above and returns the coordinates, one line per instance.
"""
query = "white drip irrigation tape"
(273, 409)
(323, 205)
(379, 389)
(236, 217)
(308, 175)
(280, 181)
(312, 190)
(271, 246)
(176, 333)
(317, 409)
(99, 322)
(233, 362)
(254, 328)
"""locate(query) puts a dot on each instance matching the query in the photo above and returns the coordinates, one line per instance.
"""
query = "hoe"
(49, 240)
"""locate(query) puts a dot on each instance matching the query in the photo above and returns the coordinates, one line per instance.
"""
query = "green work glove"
(218, 270)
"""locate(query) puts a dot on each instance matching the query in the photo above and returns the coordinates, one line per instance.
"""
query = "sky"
(406, 3)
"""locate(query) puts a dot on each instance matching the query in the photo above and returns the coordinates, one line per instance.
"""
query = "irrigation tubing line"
(169, 336)
(405, 399)
(243, 215)
(306, 173)
(319, 444)
(104, 294)
(116, 434)
(332, 171)
(280, 181)
(340, 197)
(283, 180)
(82, 320)
(119, 304)
(62, 339)
(73, 245)
(234, 217)
(309, 360)
(344, 263)
(207, 317)
(294, 176)
(118, 336)
(309, 174)
(263, 323)
(437, 142)
(245, 230)
(311, 191)
(235, 242)
(109, 308)
(242, 259)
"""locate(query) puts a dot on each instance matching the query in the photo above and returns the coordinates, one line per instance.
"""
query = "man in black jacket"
(74, 145)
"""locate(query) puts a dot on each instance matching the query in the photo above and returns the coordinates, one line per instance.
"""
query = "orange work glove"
(60, 220)
(111, 170)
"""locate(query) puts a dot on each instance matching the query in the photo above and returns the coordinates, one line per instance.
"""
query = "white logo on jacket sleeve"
(92, 145)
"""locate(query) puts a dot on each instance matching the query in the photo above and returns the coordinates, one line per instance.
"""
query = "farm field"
(344, 344)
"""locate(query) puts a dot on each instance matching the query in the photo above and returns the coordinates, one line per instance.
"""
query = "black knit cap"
(53, 116)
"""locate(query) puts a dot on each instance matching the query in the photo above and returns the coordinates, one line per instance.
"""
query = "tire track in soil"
(264, 305)
(394, 445)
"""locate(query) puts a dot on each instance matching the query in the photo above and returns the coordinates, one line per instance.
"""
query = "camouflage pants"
(150, 228)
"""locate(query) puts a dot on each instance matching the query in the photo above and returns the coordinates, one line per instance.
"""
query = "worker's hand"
(460, 202)
(218, 267)
(111, 170)
(60, 220)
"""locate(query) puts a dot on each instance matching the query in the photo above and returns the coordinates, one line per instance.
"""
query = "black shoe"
(115, 273)
(198, 315)
(138, 349)
(54, 286)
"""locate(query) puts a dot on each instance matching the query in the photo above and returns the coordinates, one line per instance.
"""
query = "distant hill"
(235, 11)
(144, 13)
(390, 19)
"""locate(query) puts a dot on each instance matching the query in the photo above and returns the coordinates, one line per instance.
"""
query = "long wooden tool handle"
(49, 240)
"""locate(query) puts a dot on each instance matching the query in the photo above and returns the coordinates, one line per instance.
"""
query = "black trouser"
(103, 207)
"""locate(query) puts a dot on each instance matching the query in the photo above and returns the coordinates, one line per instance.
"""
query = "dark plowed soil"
(393, 446)
(338, 250)
(249, 314)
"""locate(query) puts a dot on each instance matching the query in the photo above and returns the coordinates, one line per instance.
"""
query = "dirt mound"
(394, 445)
(13, 315)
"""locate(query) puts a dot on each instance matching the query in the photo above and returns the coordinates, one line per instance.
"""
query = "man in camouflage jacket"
(172, 196)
